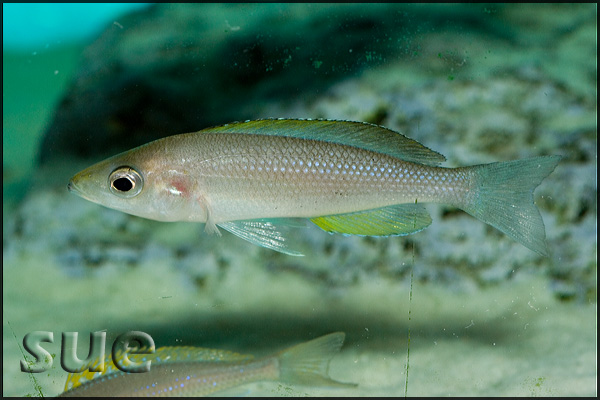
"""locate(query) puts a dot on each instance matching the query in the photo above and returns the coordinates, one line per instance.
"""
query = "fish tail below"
(504, 198)
(308, 363)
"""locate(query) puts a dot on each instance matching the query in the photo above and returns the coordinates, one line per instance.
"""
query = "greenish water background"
(511, 337)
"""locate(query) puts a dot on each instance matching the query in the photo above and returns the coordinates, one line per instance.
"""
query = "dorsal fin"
(357, 134)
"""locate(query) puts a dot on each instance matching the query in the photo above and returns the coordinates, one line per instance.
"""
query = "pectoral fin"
(266, 233)
(402, 219)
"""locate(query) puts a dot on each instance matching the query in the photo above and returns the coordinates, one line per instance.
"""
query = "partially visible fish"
(354, 178)
(194, 371)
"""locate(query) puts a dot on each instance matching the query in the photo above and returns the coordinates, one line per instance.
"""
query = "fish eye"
(125, 182)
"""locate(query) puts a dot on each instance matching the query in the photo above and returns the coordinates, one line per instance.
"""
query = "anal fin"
(401, 219)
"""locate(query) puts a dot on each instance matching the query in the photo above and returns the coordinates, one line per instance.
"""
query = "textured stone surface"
(178, 68)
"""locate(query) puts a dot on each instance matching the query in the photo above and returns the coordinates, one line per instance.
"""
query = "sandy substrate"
(514, 339)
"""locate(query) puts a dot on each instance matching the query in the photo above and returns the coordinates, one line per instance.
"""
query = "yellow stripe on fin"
(402, 219)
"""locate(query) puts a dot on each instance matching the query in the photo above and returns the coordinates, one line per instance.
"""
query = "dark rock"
(176, 68)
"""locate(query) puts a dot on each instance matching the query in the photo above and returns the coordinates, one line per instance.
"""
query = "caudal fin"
(504, 199)
(308, 363)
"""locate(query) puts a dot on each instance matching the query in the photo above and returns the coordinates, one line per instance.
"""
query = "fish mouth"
(79, 185)
(72, 187)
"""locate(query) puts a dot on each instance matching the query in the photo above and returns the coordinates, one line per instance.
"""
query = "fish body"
(347, 177)
(192, 371)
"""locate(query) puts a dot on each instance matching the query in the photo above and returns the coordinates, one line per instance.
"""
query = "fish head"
(135, 182)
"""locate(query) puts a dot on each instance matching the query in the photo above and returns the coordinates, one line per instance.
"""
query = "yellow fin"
(357, 134)
(402, 219)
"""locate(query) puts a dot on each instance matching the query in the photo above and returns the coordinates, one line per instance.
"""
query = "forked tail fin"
(308, 363)
(504, 198)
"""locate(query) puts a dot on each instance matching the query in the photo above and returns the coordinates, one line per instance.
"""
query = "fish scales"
(251, 178)
(180, 379)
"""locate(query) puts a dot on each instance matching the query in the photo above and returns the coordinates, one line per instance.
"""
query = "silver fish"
(195, 371)
(251, 178)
